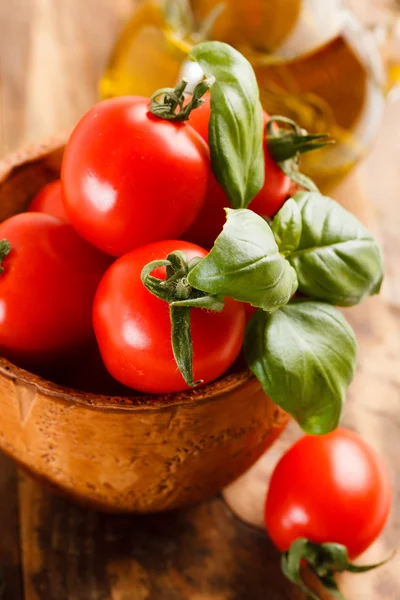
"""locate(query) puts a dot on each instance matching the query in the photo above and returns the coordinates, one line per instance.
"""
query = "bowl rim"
(139, 402)
(31, 153)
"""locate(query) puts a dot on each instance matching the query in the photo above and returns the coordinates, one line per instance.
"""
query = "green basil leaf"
(236, 123)
(337, 260)
(245, 264)
(304, 356)
(286, 227)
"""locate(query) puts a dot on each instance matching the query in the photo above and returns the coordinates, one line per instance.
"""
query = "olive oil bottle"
(313, 60)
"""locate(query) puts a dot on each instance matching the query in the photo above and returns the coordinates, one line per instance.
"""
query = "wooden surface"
(51, 54)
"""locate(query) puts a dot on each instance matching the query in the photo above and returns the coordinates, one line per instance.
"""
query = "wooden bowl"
(135, 454)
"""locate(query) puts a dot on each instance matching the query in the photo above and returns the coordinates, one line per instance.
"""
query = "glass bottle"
(314, 62)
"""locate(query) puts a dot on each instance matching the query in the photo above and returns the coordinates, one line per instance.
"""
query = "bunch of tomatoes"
(137, 187)
(95, 273)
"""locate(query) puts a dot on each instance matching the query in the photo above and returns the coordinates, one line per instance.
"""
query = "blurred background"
(329, 65)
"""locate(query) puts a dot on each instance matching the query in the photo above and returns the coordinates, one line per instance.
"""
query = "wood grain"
(10, 560)
(202, 553)
(51, 55)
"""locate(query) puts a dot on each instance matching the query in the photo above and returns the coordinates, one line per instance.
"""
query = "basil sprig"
(304, 355)
(337, 259)
(236, 123)
(302, 351)
(245, 264)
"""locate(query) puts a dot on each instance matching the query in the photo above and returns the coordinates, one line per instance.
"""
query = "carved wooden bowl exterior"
(125, 454)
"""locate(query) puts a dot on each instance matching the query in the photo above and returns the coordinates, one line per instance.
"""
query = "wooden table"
(51, 55)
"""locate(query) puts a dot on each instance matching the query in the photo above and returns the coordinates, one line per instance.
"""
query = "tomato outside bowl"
(138, 454)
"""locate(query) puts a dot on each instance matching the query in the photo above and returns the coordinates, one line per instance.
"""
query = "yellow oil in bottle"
(314, 64)
(148, 55)
(337, 88)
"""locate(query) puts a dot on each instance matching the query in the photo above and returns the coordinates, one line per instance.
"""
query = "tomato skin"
(49, 201)
(133, 327)
(200, 117)
(130, 178)
(46, 290)
(269, 200)
(276, 189)
(333, 488)
(211, 218)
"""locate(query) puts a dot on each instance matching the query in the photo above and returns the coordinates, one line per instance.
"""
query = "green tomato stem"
(168, 103)
(286, 145)
(181, 338)
(5, 248)
(181, 297)
(324, 560)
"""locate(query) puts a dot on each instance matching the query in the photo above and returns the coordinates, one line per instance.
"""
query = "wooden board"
(9, 530)
(202, 553)
(51, 55)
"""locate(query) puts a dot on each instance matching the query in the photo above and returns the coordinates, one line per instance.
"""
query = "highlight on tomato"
(48, 281)
(148, 338)
(328, 500)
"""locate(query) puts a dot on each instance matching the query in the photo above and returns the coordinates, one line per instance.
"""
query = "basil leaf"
(286, 227)
(304, 356)
(337, 260)
(236, 122)
(245, 264)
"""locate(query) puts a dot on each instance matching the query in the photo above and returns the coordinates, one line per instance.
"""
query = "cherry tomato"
(130, 178)
(211, 218)
(46, 289)
(200, 117)
(268, 201)
(134, 332)
(49, 201)
(333, 488)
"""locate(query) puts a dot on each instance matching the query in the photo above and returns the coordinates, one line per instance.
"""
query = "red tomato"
(277, 185)
(49, 201)
(134, 332)
(130, 178)
(268, 201)
(212, 217)
(333, 488)
(46, 289)
(200, 117)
